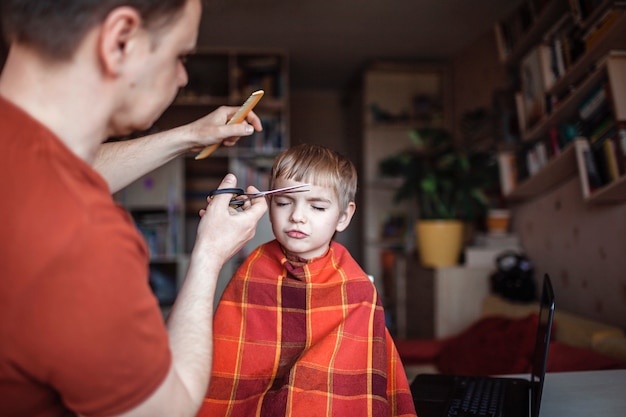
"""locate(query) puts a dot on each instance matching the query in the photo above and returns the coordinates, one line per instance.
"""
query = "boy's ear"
(345, 217)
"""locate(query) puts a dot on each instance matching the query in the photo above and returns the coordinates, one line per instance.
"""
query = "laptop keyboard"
(477, 397)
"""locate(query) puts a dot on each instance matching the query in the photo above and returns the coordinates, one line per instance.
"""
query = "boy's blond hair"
(319, 165)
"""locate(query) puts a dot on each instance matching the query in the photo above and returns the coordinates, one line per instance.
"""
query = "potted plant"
(449, 186)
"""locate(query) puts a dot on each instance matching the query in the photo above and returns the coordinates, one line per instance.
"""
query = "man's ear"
(345, 217)
(119, 33)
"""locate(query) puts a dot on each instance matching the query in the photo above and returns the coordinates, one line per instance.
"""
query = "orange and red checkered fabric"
(304, 338)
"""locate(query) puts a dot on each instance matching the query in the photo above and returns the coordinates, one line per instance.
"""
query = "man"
(81, 332)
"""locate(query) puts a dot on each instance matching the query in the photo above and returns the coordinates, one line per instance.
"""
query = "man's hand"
(224, 230)
(212, 128)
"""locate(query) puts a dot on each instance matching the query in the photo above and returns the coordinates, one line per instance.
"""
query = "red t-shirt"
(79, 327)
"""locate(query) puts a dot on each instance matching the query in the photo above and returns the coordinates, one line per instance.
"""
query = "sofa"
(501, 341)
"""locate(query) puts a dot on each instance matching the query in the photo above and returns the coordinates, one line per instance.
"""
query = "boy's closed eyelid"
(281, 199)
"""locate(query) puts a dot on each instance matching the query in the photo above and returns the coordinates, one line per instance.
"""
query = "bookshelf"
(555, 172)
(155, 201)
(165, 202)
(554, 146)
(220, 77)
(517, 33)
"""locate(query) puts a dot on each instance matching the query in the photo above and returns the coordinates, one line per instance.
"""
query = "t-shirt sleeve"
(103, 343)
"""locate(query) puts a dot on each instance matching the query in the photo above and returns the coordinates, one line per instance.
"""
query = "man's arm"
(221, 233)
(121, 163)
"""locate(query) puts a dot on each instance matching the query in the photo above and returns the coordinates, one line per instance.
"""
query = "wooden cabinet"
(436, 303)
(396, 98)
(581, 91)
(166, 202)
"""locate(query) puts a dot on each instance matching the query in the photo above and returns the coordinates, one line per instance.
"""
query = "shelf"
(267, 103)
(554, 9)
(558, 170)
(164, 259)
(611, 69)
(614, 192)
(567, 108)
(193, 100)
(614, 38)
(580, 77)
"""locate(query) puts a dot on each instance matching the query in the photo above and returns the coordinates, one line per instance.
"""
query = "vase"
(498, 221)
(439, 242)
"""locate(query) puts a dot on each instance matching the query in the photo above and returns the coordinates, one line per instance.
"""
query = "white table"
(589, 393)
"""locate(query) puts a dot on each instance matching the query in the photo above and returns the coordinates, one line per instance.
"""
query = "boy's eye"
(317, 208)
(280, 203)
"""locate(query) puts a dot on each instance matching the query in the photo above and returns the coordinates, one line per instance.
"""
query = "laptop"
(441, 395)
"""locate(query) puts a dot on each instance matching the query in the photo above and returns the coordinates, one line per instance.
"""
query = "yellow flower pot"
(439, 242)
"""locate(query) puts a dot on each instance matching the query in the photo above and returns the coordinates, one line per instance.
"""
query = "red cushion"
(567, 358)
(418, 351)
(491, 346)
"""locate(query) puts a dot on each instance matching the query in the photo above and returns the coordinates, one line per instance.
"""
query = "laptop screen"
(540, 356)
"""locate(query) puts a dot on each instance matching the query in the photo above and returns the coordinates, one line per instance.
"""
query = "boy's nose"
(297, 216)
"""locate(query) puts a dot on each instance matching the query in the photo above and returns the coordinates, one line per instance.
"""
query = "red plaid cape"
(304, 339)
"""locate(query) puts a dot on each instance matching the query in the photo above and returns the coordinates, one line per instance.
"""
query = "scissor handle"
(236, 191)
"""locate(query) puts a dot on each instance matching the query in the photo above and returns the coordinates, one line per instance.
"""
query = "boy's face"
(305, 222)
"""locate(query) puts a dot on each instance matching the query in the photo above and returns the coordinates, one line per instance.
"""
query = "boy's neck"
(295, 258)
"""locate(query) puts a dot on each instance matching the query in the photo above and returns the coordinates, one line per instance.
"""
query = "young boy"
(300, 330)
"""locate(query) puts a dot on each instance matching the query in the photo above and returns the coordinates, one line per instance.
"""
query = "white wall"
(317, 116)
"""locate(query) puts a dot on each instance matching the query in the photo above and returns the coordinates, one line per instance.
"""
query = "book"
(576, 10)
(532, 86)
(590, 6)
(512, 28)
(556, 58)
(521, 162)
(508, 172)
(597, 31)
(582, 9)
(610, 155)
(158, 230)
(589, 177)
(536, 158)
(555, 146)
(521, 114)
(602, 128)
(554, 39)
(620, 147)
(602, 155)
(593, 101)
(547, 67)
(503, 42)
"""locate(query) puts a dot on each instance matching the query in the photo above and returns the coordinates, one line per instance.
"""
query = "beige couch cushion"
(610, 345)
(570, 328)
(578, 331)
(498, 306)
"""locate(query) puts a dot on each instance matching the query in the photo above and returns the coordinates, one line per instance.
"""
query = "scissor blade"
(278, 190)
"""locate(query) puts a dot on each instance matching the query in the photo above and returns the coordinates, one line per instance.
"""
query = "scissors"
(234, 202)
